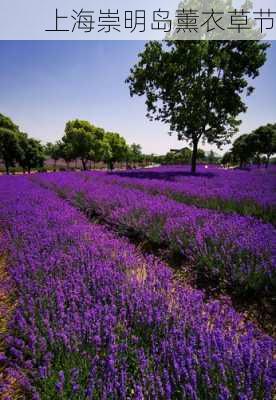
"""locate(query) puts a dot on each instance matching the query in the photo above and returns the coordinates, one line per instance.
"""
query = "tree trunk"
(83, 164)
(267, 161)
(194, 156)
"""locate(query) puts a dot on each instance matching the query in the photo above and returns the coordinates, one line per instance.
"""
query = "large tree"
(197, 87)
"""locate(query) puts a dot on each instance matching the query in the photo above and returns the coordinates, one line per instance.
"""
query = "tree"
(201, 155)
(31, 154)
(117, 148)
(80, 135)
(242, 150)
(106, 152)
(212, 158)
(181, 156)
(196, 86)
(48, 149)
(65, 151)
(260, 142)
(227, 158)
(9, 148)
(54, 151)
(178, 156)
(9, 145)
(264, 140)
(170, 158)
(95, 154)
(184, 156)
(254, 148)
(136, 154)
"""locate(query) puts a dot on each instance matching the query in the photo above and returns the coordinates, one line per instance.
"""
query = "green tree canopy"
(253, 146)
(90, 143)
(106, 151)
(227, 158)
(201, 155)
(31, 153)
(96, 148)
(54, 150)
(136, 154)
(80, 135)
(212, 157)
(196, 86)
(118, 148)
(65, 151)
(175, 156)
(264, 141)
(242, 150)
(9, 145)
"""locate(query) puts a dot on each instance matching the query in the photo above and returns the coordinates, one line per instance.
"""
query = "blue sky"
(43, 84)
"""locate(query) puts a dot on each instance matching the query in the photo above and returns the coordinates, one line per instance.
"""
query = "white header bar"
(137, 20)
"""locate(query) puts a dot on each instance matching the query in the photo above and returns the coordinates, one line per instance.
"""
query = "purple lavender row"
(246, 192)
(97, 320)
(235, 251)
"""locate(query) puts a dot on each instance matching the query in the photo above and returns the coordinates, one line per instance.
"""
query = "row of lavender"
(97, 320)
(235, 251)
(245, 192)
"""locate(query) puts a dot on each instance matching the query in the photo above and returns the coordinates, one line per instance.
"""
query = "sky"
(43, 84)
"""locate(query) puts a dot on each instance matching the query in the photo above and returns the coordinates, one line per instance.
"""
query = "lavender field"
(138, 284)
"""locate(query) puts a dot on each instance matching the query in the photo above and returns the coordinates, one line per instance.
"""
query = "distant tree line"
(91, 145)
(81, 141)
(257, 147)
(184, 156)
